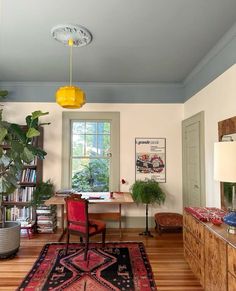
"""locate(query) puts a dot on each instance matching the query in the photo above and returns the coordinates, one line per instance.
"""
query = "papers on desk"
(95, 195)
(86, 195)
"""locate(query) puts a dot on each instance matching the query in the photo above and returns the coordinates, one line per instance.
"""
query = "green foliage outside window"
(94, 177)
(90, 156)
(228, 193)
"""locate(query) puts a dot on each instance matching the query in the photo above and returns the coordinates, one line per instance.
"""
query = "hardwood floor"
(165, 253)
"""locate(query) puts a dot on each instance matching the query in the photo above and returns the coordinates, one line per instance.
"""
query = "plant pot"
(9, 239)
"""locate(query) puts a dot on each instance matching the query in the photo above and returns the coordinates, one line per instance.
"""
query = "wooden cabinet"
(195, 226)
(231, 267)
(193, 235)
(211, 253)
(231, 282)
(215, 262)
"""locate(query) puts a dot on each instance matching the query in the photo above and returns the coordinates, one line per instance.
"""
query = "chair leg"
(86, 247)
(67, 241)
(103, 238)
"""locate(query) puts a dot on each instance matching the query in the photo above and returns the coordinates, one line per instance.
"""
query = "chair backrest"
(77, 209)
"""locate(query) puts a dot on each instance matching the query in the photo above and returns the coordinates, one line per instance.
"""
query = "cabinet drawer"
(194, 244)
(232, 260)
(215, 262)
(195, 265)
(231, 282)
(195, 226)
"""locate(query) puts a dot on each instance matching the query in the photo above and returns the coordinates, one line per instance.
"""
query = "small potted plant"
(147, 192)
(42, 192)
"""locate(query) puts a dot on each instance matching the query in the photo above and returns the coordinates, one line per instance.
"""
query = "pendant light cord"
(70, 42)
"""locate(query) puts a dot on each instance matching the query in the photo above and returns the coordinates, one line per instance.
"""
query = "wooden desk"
(119, 198)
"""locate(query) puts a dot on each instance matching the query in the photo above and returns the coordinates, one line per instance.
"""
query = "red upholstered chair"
(79, 223)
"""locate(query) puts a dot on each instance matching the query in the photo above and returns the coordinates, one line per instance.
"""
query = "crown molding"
(98, 92)
(221, 57)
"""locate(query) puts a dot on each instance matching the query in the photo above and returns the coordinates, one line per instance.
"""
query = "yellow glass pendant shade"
(70, 97)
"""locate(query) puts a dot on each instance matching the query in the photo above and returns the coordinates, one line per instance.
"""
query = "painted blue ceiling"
(142, 51)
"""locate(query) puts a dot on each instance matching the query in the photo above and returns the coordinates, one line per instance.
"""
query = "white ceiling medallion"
(80, 35)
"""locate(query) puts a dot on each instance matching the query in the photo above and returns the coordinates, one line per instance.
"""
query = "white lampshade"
(225, 161)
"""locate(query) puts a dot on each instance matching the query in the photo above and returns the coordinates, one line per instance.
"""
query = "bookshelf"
(18, 204)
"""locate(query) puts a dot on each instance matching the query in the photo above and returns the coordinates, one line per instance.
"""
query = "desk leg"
(62, 223)
(120, 220)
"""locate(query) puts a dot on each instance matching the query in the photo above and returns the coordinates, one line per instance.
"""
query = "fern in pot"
(147, 192)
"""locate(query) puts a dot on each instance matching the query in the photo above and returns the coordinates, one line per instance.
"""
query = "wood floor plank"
(165, 252)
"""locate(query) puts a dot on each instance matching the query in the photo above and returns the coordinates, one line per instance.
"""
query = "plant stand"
(146, 232)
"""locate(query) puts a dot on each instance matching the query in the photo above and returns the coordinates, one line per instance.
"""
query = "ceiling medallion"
(64, 32)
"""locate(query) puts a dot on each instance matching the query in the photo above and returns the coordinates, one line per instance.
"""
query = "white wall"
(218, 101)
(136, 120)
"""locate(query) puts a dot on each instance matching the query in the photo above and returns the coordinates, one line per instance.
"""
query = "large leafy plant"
(17, 149)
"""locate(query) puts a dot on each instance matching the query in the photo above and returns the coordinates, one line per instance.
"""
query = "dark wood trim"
(30, 167)
(18, 203)
(225, 127)
(27, 184)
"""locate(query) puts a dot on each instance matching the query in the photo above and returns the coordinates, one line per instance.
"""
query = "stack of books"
(46, 219)
(65, 192)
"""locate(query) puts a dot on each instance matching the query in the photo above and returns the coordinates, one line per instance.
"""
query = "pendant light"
(71, 97)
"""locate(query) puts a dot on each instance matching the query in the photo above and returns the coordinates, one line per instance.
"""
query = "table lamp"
(225, 171)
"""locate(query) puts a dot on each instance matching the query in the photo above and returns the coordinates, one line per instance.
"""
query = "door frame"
(199, 117)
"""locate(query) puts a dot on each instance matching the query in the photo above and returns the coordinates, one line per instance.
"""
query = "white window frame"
(114, 119)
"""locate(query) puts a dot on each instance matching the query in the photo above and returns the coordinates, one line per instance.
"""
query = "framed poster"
(150, 159)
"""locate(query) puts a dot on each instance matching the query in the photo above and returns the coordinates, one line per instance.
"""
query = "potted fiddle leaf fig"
(147, 192)
(16, 149)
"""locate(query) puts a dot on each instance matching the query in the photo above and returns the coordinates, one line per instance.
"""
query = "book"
(43, 211)
(95, 198)
(64, 192)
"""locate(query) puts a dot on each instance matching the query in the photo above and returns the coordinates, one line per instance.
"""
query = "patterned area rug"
(120, 266)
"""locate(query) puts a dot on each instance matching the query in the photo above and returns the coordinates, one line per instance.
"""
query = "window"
(90, 151)
(90, 154)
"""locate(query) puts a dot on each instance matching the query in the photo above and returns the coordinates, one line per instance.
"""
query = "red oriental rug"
(119, 266)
